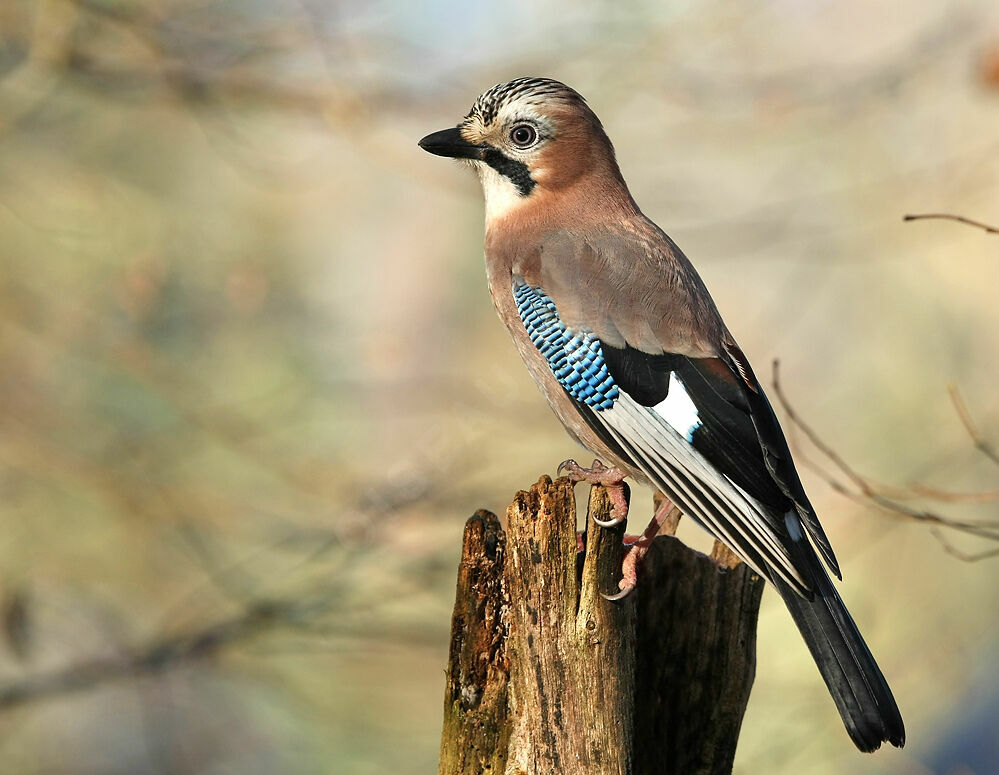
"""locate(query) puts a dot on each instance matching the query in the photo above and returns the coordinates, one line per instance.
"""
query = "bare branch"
(955, 552)
(950, 217)
(162, 654)
(983, 444)
(861, 489)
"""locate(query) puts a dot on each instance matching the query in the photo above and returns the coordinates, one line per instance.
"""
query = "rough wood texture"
(545, 676)
(696, 659)
(476, 729)
(567, 644)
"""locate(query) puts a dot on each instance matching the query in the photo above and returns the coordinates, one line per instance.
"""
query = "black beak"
(449, 142)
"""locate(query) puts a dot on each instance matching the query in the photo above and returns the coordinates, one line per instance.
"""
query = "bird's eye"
(523, 135)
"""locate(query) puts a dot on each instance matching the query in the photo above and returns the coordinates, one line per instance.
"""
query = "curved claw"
(565, 465)
(612, 522)
(619, 595)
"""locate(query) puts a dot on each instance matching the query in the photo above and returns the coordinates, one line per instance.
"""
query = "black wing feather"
(777, 455)
(643, 376)
(727, 436)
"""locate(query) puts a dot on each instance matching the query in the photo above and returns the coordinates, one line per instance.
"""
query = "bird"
(626, 343)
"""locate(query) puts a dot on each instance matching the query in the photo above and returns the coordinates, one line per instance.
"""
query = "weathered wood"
(695, 660)
(570, 699)
(546, 676)
(476, 729)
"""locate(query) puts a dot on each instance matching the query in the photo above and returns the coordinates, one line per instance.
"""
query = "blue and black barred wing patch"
(576, 358)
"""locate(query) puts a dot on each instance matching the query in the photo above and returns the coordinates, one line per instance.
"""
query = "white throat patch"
(501, 195)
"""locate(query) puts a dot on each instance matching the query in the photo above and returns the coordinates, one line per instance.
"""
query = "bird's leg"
(611, 478)
(638, 547)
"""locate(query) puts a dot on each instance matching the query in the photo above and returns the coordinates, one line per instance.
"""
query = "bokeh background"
(251, 383)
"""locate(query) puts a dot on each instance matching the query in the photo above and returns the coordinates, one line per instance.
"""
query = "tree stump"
(546, 676)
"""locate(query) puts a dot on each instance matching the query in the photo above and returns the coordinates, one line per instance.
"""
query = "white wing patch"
(678, 410)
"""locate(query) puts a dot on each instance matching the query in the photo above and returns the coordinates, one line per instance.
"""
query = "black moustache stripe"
(515, 171)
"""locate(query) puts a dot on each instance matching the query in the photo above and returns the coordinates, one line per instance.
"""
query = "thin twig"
(859, 481)
(951, 217)
(868, 494)
(981, 443)
(955, 552)
(925, 491)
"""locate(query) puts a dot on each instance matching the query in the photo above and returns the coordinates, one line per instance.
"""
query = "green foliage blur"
(251, 383)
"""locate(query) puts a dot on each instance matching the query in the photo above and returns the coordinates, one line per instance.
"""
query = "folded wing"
(653, 421)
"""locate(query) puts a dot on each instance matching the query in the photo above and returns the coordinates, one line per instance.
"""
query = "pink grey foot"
(638, 547)
(611, 478)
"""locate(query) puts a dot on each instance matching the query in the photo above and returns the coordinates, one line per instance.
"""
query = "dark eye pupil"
(523, 135)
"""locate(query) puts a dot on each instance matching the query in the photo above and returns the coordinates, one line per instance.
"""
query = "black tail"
(858, 688)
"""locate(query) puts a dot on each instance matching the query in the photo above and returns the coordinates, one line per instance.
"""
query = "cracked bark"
(545, 676)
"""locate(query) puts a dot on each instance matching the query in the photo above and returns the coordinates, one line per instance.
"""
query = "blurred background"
(251, 383)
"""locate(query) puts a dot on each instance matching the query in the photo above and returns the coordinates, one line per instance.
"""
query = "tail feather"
(855, 681)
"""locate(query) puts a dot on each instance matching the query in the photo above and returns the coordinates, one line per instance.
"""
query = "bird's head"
(533, 142)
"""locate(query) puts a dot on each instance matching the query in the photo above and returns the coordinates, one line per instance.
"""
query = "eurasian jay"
(626, 343)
